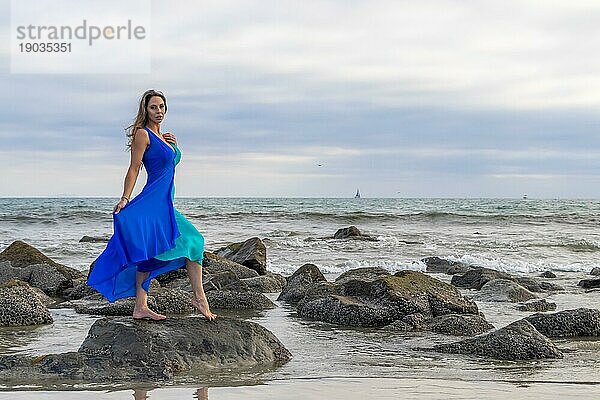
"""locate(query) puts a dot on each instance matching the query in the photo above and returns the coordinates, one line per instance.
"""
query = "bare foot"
(202, 305)
(148, 314)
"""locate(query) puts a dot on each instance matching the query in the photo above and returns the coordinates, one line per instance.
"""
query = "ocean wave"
(290, 242)
(519, 266)
(581, 245)
(278, 233)
(334, 269)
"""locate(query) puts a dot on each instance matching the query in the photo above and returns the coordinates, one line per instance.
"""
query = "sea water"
(519, 236)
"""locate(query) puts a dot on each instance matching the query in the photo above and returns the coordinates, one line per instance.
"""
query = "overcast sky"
(399, 99)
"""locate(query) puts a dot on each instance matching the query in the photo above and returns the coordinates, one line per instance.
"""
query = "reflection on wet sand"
(142, 394)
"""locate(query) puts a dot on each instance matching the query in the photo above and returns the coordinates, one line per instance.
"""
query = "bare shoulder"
(140, 134)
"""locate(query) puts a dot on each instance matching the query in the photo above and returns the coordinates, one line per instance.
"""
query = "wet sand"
(341, 388)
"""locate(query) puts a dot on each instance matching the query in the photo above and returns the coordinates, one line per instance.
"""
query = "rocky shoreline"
(118, 348)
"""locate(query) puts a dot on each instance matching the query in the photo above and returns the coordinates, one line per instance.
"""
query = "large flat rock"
(122, 349)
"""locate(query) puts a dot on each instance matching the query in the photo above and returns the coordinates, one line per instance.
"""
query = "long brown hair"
(141, 119)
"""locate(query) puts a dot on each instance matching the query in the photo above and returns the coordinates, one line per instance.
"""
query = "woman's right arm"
(138, 147)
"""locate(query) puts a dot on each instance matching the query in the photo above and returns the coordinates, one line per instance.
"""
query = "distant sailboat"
(357, 196)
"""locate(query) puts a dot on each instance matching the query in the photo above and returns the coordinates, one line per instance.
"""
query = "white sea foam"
(392, 266)
(519, 266)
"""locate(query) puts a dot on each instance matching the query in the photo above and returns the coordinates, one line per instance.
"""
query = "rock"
(537, 286)
(252, 254)
(517, 341)
(504, 290)
(172, 301)
(539, 305)
(299, 282)
(458, 269)
(94, 239)
(476, 278)
(344, 310)
(595, 271)
(97, 305)
(234, 300)
(352, 232)
(365, 273)
(213, 263)
(179, 273)
(80, 290)
(368, 299)
(270, 283)
(569, 323)
(162, 300)
(589, 283)
(28, 264)
(460, 325)
(408, 323)
(44, 298)
(442, 266)
(121, 349)
(344, 233)
(21, 304)
(548, 274)
(318, 290)
(225, 280)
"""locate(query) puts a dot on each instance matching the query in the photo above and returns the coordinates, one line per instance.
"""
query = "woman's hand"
(121, 204)
(169, 137)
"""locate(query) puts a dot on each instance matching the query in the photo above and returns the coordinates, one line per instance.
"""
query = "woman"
(150, 236)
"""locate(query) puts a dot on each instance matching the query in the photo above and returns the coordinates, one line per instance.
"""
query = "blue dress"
(150, 235)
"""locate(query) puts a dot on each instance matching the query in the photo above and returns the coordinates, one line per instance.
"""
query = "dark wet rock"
(408, 323)
(269, 283)
(537, 286)
(185, 285)
(94, 239)
(162, 300)
(537, 305)
(28, 264)
(80, 290)
(352, 232)
(344, 233)
(251, 253)
(458, 269)
(365, 273)
(504, 290)
(517, 341)
(548, 274)
(172, 301)
(580, 322)
(299, 282)
(91, 267)
(589, 283)
(595, 271)
(120, 349)
(44, 298)
(234, 300)
(213, 263)
(459, 324)
(368, 299)
(97, 305)
(344, 310)
(168, 277)
(225, 280)
(476, 278)
(442, 266)
(21, 304)
(319, 290)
